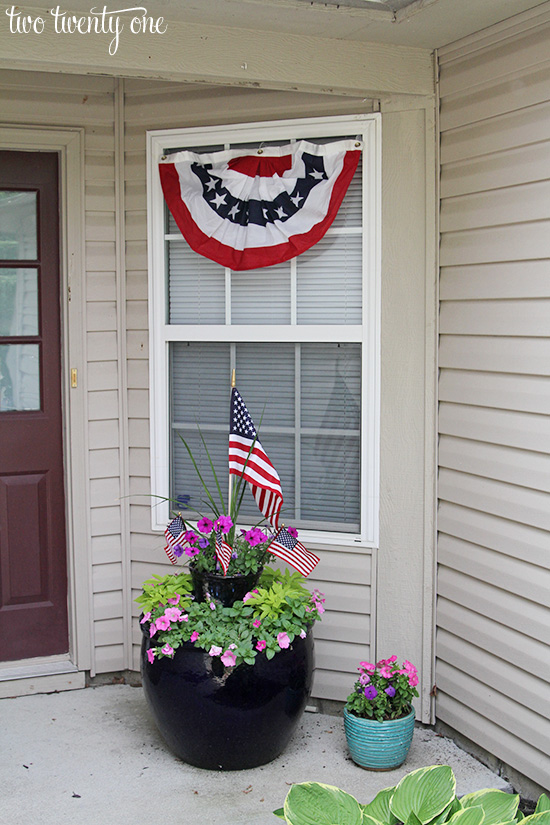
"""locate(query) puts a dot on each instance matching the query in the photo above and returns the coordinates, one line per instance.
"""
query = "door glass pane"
(18, 302)
(18, 233)
(19, 377)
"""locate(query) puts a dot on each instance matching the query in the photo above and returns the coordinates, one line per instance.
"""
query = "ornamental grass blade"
(313, 803)
(379, 807)
(468, 816)
(202, 481)
(498, 806)
(425, 792)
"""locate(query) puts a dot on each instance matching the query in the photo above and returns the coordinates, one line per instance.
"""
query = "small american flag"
(223, 552)
(247, 458)
(289, 549)
(174, 535)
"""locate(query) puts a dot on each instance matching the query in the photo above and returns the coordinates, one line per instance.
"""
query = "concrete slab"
(94, 757)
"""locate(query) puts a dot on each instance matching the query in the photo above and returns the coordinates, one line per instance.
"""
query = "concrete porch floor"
(94, 757)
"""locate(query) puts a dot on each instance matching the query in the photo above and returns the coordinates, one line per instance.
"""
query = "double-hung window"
(303, 337)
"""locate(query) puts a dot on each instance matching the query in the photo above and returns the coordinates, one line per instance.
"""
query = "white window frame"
(161, 334)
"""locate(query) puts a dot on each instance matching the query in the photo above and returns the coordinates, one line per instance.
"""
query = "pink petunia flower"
(175, 600)
(151, 655)
(261, 645)
(370, 668)
(215, 650)
(168, 650)
(386, 672)
(364, 679)
(247, 596)
(192, 551)
(293, 532)
(413, 680)
(173, 614)
(146, 618)
(194, 636)
(205, 525)
(163, 623)
(190, 536)
(256, 622)
(229, 658)
(223, 523)
(282, 640)
(303, 634)
(183, 618)
(152, 629)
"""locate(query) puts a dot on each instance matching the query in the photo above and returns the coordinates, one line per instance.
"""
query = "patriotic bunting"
(247, 458)
(246, 211)
(287, 547)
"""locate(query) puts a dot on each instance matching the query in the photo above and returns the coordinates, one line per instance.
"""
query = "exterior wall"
(493, 642)
(344, 636)
(349, 632)
(45, 100)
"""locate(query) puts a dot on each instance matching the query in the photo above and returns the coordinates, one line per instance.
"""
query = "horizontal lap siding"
(493, 616)
(47, 100)
(343, 638)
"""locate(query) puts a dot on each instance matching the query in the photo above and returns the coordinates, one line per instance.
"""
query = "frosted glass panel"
(261, 296)
(19, 377)
(18, 232)
(196, 287)
(18, 302)
(330, 281)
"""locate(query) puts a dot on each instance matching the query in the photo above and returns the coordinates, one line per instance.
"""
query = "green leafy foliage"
(159, 589)
(384, 690)
(421, 797)
(313, 803)
(238, 633)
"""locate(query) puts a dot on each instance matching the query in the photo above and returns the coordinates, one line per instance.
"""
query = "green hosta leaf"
(443, 816)
(519, 816)
(412, 819)
(541, 818)
(280, 812)
(425, 792)
(379, 808)
(543, 804)
(498, 806)
(468, 816)
(370, 820)
(313, 803)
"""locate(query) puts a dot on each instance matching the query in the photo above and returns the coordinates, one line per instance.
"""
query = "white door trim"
(69, 143)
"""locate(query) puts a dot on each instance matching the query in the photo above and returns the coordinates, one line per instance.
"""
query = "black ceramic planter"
(227, 718)
(226, 589)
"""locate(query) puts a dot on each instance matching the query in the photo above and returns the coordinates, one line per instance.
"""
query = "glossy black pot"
(227, 718)
(226, 589)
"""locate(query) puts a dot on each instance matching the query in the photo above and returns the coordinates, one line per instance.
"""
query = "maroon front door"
(33, 552)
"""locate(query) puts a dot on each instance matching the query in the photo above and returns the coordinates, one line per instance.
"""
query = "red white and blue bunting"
(246, 211)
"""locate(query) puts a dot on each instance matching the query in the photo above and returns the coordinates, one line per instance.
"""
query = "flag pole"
(230, 491)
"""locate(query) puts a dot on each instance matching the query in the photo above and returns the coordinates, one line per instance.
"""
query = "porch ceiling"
(422, 23)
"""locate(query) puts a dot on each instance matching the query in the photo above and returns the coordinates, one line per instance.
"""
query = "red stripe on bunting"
(253, 257)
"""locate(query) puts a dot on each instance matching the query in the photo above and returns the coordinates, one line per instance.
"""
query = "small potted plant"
(379, 716)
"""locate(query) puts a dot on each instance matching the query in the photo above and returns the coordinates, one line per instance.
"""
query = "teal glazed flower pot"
(378, 746)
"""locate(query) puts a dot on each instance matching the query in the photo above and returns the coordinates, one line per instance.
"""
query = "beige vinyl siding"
(54, 100)
(493, 613)
(343, 638)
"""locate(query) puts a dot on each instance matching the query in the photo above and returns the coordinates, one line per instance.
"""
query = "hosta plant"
(426, 796)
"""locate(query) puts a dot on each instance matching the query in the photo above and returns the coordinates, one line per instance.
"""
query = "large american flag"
(247, 458)
(286, 547)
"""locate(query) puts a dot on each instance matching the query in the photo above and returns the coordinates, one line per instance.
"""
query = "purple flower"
(178, 550)
(203, 543)
(190, 536)
(223, 523)
(370, 692)
(191, 551)
(364, 678)
(205, 525)
(390, 691)
(293, 532)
